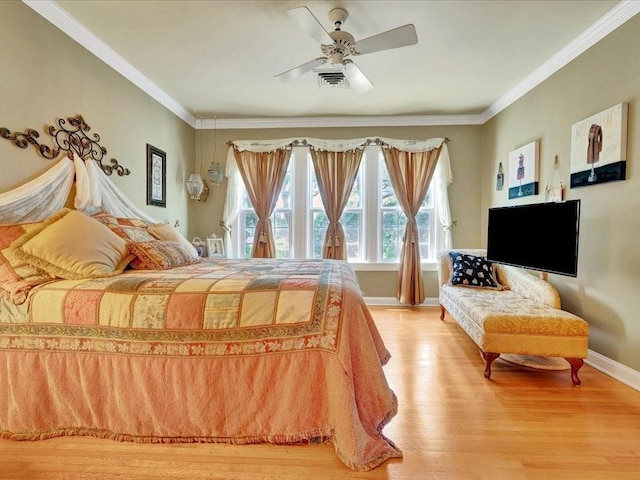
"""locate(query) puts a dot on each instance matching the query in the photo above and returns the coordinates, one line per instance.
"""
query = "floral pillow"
(129, 229)
(473, 271)
(160, 255)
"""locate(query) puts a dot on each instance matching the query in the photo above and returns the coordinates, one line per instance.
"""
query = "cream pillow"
(72, 245)
(162, 231)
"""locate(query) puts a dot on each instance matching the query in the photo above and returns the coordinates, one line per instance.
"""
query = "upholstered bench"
(520, 315)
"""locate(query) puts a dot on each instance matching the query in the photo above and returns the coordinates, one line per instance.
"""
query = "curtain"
(39, 198)
(410, 174)
(232, 203)
(263, 176)
(335, 173)
(443, 178)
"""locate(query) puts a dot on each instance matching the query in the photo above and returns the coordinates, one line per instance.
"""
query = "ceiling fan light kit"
(334, 69)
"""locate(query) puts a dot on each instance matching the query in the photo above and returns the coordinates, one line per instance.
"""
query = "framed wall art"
(215, 247)
(599, 148)
(523, 171)
(156, 176)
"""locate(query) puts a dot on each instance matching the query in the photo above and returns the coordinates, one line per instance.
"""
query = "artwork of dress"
(599, 148)
(523, 171)
(500, 178)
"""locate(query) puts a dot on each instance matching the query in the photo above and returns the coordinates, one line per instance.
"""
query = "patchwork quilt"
(236, 351)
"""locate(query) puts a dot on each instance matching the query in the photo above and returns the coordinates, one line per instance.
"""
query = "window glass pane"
(316, 199)
(393, 223)
(319, 229)
(387, 196)
(250, 221)
(284, 200)
(281, 223)
(355, 197)
(351, 224)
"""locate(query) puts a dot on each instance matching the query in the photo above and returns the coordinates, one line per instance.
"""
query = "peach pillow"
(162, 231)
(17, 277)
(72, 245)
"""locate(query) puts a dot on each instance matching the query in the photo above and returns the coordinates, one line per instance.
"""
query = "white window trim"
(301, 219)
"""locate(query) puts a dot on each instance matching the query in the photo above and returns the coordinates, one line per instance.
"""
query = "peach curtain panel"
(335, 172)
(263, 176)
(410, 174)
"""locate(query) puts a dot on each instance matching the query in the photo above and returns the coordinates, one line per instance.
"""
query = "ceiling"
(219, 58)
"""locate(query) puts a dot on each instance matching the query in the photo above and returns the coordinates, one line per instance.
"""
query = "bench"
(522, 318)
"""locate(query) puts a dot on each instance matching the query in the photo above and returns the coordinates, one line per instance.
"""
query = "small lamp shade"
(215, 173)
(195, 185)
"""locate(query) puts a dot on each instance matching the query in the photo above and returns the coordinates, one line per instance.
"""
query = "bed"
(210, 350)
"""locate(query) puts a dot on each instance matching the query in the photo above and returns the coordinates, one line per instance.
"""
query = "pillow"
(473, 271)
(162, 231)
(17, 277)
(160, 255)
(108, 218)
(134, 234)
(129, 229)
(72, 245)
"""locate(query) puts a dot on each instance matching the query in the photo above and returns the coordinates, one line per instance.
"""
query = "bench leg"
(441, 312)
(488, 358)
(576, 364)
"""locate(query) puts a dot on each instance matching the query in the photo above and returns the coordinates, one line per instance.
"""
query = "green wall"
(605, 293)
(46, 76)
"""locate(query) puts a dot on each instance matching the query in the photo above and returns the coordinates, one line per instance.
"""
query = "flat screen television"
(541, 236)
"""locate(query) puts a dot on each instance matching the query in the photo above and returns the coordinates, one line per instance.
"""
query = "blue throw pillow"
(473, 271)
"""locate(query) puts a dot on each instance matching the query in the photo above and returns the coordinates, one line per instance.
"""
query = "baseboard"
(616, 370)
(393, 302)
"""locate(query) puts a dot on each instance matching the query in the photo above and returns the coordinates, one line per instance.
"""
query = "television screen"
(541, 236)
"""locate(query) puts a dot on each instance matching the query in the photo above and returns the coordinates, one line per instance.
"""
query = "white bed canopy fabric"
(38, 199)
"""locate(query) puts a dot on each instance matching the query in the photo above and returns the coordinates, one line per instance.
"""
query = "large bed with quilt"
(111, 327)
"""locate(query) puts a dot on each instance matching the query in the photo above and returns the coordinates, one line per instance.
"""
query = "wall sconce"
(195, 186)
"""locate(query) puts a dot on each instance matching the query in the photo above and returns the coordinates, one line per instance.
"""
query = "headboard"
(70, 136)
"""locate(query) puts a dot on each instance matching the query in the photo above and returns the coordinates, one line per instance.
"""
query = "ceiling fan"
(339, 44)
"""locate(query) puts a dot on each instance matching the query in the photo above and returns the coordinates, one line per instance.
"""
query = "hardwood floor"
(452, 424)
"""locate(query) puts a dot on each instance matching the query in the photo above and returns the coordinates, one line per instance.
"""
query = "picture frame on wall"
(523, 171)
(599, 148)
(156, 177)
(215, 246)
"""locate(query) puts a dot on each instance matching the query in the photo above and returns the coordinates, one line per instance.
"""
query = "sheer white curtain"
(39, 198)
(442, 179)
(231, 204)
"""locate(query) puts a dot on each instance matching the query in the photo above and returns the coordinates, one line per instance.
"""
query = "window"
(372, 221)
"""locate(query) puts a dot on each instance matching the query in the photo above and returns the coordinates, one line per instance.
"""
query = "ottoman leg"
(576, 364)
(488, 358)
(441, 312)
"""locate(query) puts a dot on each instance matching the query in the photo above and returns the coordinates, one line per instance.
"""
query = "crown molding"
(59, 17)
(50, 10)
(615, 17)
(340, 122)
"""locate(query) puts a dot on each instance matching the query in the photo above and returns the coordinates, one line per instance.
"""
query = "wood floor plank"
(452, 424)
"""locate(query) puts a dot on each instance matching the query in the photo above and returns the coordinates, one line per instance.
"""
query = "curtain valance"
(340, 145)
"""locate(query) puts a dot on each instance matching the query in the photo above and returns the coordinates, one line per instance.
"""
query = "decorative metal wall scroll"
(71, 137)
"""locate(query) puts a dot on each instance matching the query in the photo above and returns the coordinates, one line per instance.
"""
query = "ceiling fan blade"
(398, 37)
(300, 69)
(357, 80)
(310, 24)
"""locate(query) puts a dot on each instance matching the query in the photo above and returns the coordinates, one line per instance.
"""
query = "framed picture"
(599, 148)
(215, 247)
(156, 177)
(523, 171)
